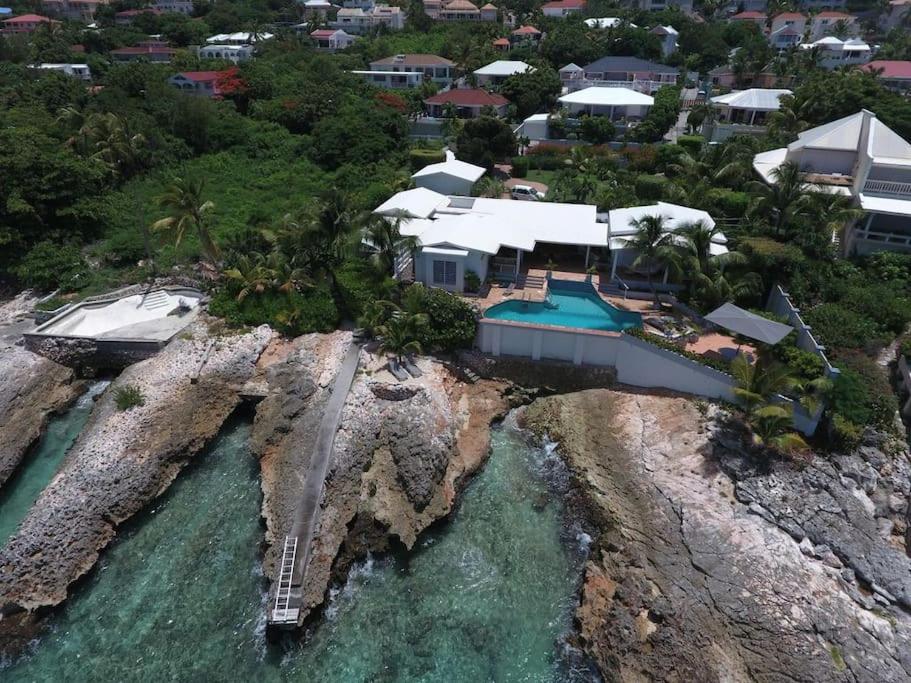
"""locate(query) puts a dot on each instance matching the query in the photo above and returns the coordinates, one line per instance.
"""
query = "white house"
(605, 22)
(450, 177)
(489, 237)
(859, 157)
(497, 72)
(833, 52)
(409, 71)
(562, 8)
(829, 23)
(615, 103)
(318, 9)
(80, 71)
(356, 20)
(232, 53)
(787, 30)
(749, 107)
(329, 40)
(239, 38)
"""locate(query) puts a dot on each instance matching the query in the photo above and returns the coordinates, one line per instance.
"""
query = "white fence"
(779, 303)
(637, 362)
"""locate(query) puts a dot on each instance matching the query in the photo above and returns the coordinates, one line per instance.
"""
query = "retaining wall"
(779, 303)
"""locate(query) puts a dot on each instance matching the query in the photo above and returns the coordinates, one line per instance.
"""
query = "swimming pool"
(569, 304)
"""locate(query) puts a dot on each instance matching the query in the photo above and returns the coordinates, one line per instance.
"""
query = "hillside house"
(465, 103)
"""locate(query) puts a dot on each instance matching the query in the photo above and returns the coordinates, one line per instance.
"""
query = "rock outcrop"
(120, 462)
(31, 389)
(712, 566)
(401, 456)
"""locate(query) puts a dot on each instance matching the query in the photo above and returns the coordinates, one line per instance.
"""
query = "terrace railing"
(888, 187)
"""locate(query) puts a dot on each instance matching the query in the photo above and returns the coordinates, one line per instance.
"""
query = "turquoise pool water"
(22, 489)
(487, 596)
(568, 305)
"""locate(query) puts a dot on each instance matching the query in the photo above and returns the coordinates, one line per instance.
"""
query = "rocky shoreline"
(402, 454)
(120, 462)
(713, 566)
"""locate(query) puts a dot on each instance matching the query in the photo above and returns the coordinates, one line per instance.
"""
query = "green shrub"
(650, 186)
(49, 265)
(904, 348)
(691, 143)
(419, 158)
(452, 323)
(292, 314)
(597, 129)
(841, 328)
(730, 203)
(883, 304)
(472, 281)
(359, 285)
(862, 393)
(845, 434)
(519, 167)
(805, 365)
(128, 396)
(715, 363)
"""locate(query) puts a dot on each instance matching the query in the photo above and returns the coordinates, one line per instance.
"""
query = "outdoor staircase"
(530, 282)
(283, 612)
(155, 300)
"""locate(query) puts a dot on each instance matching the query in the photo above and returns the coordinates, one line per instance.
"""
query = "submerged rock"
(121, 461)
(713, 567)
(402, 452)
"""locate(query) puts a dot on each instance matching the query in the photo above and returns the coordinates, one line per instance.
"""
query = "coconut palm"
(384, 239)
(772, 427)
(249, 273)
(120, 150)
(183, 200)
(757, 383)
(399, 334)
(783, 200)
(655, 248)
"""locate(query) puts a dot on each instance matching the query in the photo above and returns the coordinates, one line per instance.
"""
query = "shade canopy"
(748, 324)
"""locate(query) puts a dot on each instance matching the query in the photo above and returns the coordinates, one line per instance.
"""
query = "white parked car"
(526, 193)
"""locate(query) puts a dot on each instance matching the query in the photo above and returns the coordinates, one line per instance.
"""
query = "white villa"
(860, 157)
(497, 72)
(409, 71)
(492, 237)
(239, 38)
(743, 112)
(615, 103)
(356, 20)
(834, 52)
(232, 53)
(80, 71)
(450, 177)
(605, 22)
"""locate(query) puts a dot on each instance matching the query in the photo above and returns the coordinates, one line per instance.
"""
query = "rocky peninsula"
(402, 454)
(713, 565)
(122, 460)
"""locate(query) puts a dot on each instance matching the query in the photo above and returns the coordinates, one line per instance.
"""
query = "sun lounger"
(397, 371)
(412, 369)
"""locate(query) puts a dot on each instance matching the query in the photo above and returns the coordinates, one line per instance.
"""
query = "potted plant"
(550, 266)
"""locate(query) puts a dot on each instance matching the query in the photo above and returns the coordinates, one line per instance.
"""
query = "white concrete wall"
(827, 161)
(445, 184)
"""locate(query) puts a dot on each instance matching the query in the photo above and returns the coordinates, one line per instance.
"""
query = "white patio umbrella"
(748, 324)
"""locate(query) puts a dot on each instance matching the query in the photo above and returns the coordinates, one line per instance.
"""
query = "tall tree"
(183, 200)
(654, 246)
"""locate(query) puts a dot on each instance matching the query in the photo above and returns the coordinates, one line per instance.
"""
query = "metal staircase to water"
(282, 611)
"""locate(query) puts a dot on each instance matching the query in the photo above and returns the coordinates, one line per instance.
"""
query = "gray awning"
(748, 324)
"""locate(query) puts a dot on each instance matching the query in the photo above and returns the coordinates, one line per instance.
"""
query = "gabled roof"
(665, 31)
(417, 203)
(828, 14)
(607, 97)
(27, 19)
(325, 32)
(489, 6)
(749, 15)
(199, 76)
(454, 168)
(468, 97)
(526, 31)
(571, 68)
(503, 67)
(789, 16)
(758, 99)
(890, 68)
(629, 64)
(501, 42)
(415, 59)
(460, 6)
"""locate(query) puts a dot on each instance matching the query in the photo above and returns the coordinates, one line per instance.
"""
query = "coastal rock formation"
(402, 453)
(121, 461)
(713, 566)
(31, 389)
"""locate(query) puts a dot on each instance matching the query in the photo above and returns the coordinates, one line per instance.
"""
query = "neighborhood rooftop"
(607, 97)
(629, 64)
(758, 99)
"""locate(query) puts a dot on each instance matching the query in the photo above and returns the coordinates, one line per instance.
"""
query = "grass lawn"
(546, 177)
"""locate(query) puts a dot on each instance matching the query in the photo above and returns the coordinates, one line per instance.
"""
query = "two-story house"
(25, 23)
(859, 157)
(409, 71)
(357, 21)
(894, 74)
(832, 52)
(787, 30)
(562, 8)
(465, 103)
(230, 52)
(626, 72)
(742, 112)
(74, 10)
(329, 40)
(836, 24)
(199, 83)
(154, 51)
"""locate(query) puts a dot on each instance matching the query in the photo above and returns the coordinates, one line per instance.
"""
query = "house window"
(444, 273)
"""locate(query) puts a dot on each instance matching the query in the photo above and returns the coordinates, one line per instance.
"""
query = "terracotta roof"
(468, 97)
(790, 15)
(526, 31)
(459, 6)
(891, 68)
(833, 15)
(501, 42)
(416, 59)
(749, 15)
(567, 4)
(323, 33)
(26, 19)
(199, 76)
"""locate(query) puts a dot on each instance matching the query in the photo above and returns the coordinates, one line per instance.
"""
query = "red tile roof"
(790, 15)
(564, 4)
(891, 68)
(468, 97)
(526, 31)
(749, 15)
(27, 19)
(501, 42)
(323, 33)
(833, 15)
(200, 76)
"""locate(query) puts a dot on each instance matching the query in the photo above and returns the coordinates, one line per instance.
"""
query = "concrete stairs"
(530, 282)
(155, 300)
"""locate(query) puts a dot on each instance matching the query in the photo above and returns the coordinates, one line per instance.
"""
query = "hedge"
(419, 158)
(650, 186)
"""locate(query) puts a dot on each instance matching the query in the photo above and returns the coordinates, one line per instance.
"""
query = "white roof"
(888, 205)
(454, 168)
(884, 146)
(241, 36)
(417, 203)
(833, 44)
(537, 117)
(670, 30)
(503, 67)
(766, 162)
(484, 225)
(57, 65)
(758, 99)
(622, 222)
(605, 22)
(608, 97)
(318, 4)
(571, 67)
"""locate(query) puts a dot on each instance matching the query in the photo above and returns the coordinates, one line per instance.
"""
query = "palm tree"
(654, 246)
(831, 214)
(384, 238)
(757, 383)
(488, 186)
(398, 335)
(249, 273)
(782, 200)
(120, 150)
(772, 427)
(699, 115)
(788, 121)
(187, 210)
(710, 284)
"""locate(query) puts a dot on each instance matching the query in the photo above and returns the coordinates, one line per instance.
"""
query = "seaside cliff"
(713, 566)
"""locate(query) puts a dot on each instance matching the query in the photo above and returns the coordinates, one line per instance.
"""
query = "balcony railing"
(892, 239)
(644, 86)
(888, 187)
